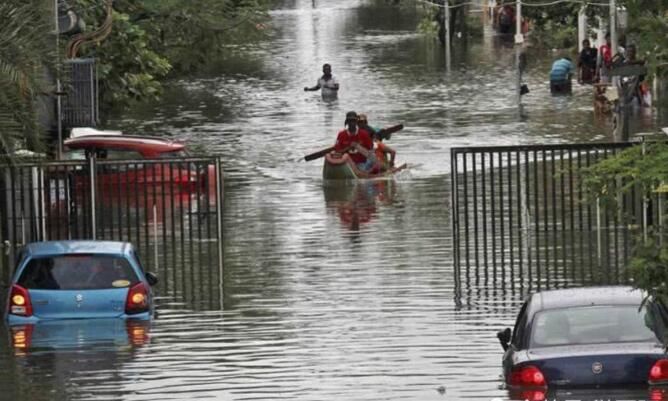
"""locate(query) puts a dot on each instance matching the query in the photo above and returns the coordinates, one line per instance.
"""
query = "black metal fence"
(520, 214)
(80, 106)
(171, 210)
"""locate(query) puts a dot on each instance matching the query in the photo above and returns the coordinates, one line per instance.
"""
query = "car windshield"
(77, 272)
(598, 324)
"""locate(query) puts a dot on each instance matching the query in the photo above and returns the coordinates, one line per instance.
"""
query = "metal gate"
(171, 210)
(80, 106)
(520, 213)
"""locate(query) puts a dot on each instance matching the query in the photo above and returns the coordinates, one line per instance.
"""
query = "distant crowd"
(595, 66)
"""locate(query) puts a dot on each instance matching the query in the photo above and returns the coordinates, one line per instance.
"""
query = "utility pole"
(613, 27)
(519, 39)
(446, 23)
(59, 122)
(582, 27)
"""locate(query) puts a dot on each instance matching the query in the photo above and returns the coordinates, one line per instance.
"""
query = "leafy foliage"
(648, 28)
(621, 174)
(648, 268)
(152, 38)
(128, 69)
(630, 168)
(24, 63)
(190, 34)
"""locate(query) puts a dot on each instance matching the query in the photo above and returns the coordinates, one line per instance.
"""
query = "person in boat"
(363, 122)
(327, 82)
(560, 75)
(356, 142)
(384, 155)
(587, 63)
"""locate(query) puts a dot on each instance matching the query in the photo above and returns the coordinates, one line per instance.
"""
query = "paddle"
(318, 154)
(385, 133)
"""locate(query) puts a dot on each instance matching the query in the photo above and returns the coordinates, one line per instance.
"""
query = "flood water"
(329, 292)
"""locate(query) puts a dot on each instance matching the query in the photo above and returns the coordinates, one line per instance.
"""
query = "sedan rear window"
(598, 324)
(77, 272)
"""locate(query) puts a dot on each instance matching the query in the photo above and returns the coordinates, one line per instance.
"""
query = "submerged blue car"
(596, 337)
(79, 280)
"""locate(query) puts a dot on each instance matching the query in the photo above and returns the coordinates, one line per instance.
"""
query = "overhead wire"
(583, 2)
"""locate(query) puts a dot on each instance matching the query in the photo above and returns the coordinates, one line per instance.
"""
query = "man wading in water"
(327, 82)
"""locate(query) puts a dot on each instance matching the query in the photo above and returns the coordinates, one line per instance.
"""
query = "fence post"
(454, 212)
(93, 205)
(645, 203)
(660, 206)
(599, 240)
(155, 235)
(219, 225)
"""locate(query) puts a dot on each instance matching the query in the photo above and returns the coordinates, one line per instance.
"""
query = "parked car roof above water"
(145, 145)
(77, 246)
(585, 296)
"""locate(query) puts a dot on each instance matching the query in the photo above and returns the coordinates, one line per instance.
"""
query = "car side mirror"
(504, 338)
(151, 278)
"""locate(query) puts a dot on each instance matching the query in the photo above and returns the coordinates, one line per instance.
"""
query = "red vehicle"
(127, 151)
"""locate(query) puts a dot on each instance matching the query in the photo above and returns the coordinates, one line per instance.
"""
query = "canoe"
(341, 167)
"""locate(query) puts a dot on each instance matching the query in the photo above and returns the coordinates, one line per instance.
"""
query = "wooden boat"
(341, 167)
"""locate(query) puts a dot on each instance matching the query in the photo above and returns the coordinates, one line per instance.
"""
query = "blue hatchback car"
(595, 337)
(79, 280)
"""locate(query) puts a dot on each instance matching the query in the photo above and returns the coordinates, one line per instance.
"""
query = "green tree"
(194, 33)
(25, 63)
(129, 70)
(152, 40)
(648, 28)
(641, 172)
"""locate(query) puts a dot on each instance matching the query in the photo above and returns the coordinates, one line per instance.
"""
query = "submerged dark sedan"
(586, 337)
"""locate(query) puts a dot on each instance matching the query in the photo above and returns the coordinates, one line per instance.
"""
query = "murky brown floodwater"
(330, 293)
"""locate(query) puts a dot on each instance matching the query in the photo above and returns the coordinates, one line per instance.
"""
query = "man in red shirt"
(354, 140)
(605, 60)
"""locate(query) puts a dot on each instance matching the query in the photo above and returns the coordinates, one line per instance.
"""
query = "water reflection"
(81, 334)
(356, 203)
(600, 394)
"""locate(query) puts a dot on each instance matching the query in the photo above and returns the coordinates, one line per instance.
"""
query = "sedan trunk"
(612, 364)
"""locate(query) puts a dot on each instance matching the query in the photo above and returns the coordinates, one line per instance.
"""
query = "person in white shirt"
(326, 82)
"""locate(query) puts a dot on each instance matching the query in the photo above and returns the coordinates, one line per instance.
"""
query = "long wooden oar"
(385, 133)
(318, 154)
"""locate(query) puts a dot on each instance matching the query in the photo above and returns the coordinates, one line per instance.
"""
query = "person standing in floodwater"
(587, 63)
(604, 61)
(327, 82)
(560, 75)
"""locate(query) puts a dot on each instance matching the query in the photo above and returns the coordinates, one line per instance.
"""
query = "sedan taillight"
(527, 376)
(659, 372)
(137, 299)
(19, 302)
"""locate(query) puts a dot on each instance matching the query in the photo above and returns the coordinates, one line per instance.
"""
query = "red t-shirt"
(606, 55)
(345, 139)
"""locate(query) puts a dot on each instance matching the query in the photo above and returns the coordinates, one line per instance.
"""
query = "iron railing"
(521, 213)
(171, 210)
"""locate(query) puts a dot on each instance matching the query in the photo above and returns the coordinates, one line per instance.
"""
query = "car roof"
(585, 296)
(77, 246)
(142, 144)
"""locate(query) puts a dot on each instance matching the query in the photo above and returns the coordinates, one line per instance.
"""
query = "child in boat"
(382, 151)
